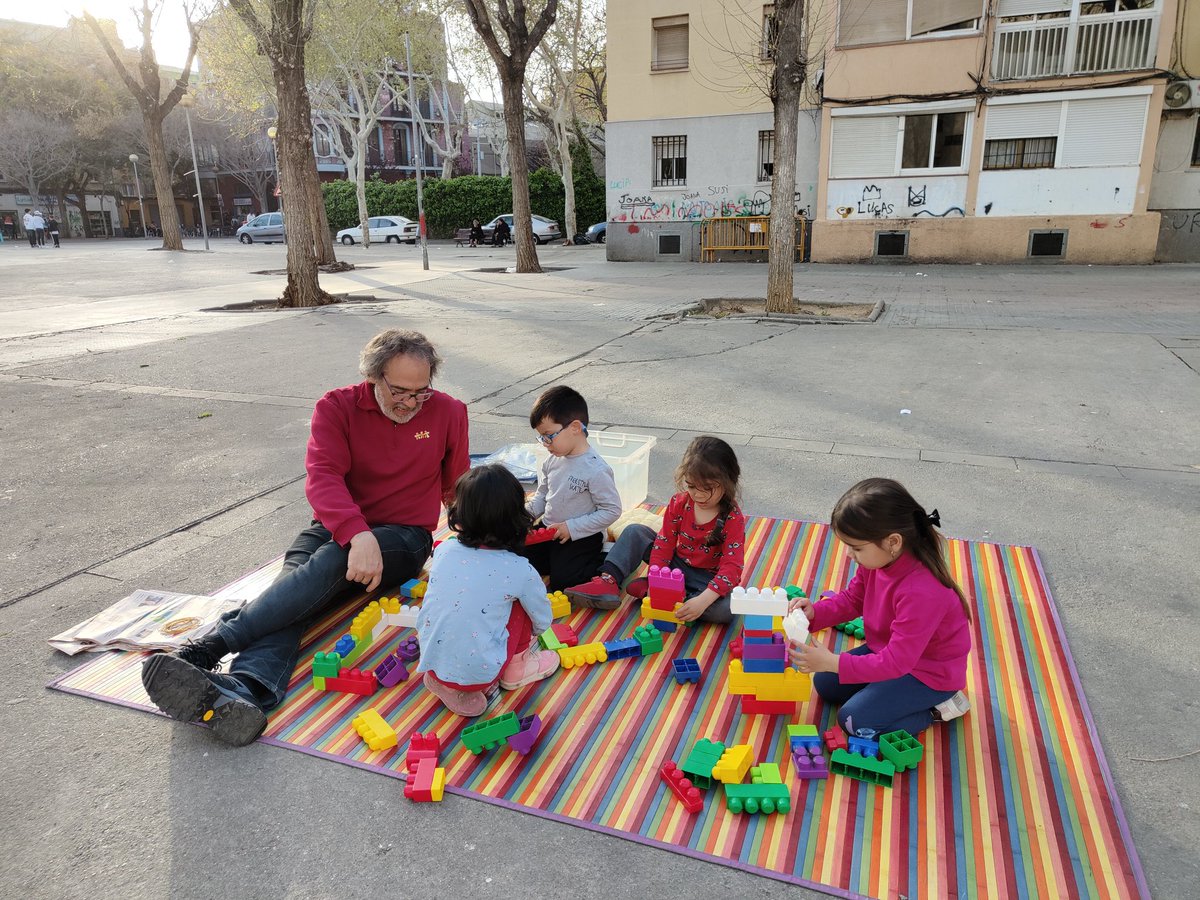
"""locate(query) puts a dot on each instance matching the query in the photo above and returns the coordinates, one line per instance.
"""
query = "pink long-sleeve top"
(914, 625)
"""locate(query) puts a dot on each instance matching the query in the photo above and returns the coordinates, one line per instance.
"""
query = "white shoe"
(956, 706)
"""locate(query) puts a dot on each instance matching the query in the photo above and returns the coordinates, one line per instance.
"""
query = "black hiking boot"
(205, 653)
(186, 693)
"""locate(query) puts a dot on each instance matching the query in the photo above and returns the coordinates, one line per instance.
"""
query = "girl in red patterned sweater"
(703, 534)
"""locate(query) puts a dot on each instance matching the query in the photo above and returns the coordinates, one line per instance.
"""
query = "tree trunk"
(315, 200)
(568, 179)
(360, 188)
(297, 166)
(787, 85)
(164, 192)
(514, 127)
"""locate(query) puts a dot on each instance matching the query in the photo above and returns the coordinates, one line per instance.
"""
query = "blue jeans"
(633, 548)
(265, 633)
(880, 706)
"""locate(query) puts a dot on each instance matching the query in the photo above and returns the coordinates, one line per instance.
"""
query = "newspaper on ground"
(146, 620)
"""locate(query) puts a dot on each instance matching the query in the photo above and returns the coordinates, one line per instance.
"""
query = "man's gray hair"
(396, 342)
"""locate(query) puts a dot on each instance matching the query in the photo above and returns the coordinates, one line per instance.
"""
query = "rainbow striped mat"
(1014, 800)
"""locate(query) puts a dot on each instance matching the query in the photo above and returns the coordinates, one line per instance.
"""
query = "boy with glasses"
(576, 494)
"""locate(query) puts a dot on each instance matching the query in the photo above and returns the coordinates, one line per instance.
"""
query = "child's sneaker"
(526, 668)
(638, 588)
(462, 703)
(602, 592)
(956, 706)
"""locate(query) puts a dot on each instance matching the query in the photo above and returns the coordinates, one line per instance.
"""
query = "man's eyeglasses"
(407, 396)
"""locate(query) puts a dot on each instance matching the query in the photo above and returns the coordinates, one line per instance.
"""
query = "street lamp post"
(187, 101)
(133, 158)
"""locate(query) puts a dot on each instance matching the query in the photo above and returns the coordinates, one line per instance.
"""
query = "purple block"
(409, 649)
(523, 740)
(391, 671)
(809, 763)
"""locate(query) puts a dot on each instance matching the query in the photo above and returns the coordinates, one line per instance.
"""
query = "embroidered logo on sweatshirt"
(420, 435)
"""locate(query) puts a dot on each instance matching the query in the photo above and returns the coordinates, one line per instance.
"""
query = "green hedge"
(450, 205)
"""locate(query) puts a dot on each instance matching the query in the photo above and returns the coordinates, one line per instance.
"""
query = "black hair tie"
(934, 519)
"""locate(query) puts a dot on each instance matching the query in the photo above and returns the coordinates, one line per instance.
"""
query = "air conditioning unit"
(1182, 95)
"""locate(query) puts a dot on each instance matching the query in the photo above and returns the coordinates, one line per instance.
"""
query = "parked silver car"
(544, 229)
(265, 228)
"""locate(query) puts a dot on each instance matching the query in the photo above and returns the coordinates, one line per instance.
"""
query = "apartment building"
(944, 130)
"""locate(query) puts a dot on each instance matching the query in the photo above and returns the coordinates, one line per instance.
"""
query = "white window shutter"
(1022, 120)
(929, 15)
(871, 21)
(671, 46)
(863, 146)
(1104, 132)
(1030, 7)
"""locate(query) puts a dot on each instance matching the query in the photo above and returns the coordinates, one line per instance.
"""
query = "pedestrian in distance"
(27, 222)
(39, 224)
(52, 227)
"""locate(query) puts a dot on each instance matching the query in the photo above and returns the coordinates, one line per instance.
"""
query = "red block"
(420, 747)
(666, 604)
(353, 681)
(751, 706)
(835, 738)
(735, 648)
(420, 782)
(681, 787)
(756, 633)
(566, 634)
(540, 536)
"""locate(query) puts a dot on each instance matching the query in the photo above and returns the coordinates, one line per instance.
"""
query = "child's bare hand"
(692, 609)
(813, 658)
(562, 533)
(805, 604)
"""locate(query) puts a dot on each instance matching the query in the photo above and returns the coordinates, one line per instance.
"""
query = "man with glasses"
(383, 456)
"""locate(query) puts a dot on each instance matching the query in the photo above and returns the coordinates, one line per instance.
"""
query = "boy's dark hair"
(489, 509)
(877, 507)
(559, 404)
(707, 461)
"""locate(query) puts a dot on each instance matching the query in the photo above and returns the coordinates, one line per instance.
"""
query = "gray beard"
(397, 414)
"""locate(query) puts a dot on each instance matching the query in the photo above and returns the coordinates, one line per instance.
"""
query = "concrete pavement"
(1051, 406)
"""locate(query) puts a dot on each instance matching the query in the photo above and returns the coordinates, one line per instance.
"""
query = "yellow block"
(390, 605)
(418, 591)
(788, 685)
(584, 654)
(438, 785)
(733, 765)
(364, 623)
(560, 605)
(659, 615)
(372, 728)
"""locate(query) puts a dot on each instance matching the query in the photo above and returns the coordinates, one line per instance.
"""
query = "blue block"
(805, 741)
(407, 588)
(622, 649)
(863, 746)
(757, 623)
(686, 670)
(757, 640)
(345, 645)
(665, 627)
(763, 665)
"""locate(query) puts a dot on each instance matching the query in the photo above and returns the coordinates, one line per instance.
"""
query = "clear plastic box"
(629, 456)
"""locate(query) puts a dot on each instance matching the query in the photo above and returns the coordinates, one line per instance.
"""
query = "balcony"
(1088, 45)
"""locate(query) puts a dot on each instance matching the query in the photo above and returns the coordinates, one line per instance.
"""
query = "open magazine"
(145, 620)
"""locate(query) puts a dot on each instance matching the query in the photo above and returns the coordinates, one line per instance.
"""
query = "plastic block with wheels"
(527, 736)
(391, 671)
(375, 732)
(490, 733)
(864, 768)
(686, 670)
(758, 798)
(863, 746)
(835, 739)
(421, 746)
(901, 749)
(565, 633)
(699, 764)
(649, 637)
(765, 773)
(583, 655)
(681, 787)
(809, 763)
(560, 606)
(734, 763)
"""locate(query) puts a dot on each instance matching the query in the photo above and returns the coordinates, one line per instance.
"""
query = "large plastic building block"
(753, 707)
(864, 768)
(660, 615)
(795, 626)
(527, 736)
(345, 645)
(854, 628)
(776, 649)
(438, 786)
(583, 655)
(623, 649)
(793, 592)
(835, 739)
(540, 536)
(863, 746)
(809, 763)
(425, 785)
(666, 587)
(758, 624)
(735, 648)
(490, 733)
(765, 773)
(421, 746)
(391, 671)
(901, 749)
(560, 605)
(804, 736)
(699, 764)
(375, 732)
(352, 681)
(402, 616)
(326, 665)
(565, 633)
(757, 798)
(414, 588)
(758, 602)
(364, 623)
(681, 787)
(389, 605)
(649, 637)
(318, 683)
(764, 666)
(791, 685)
(668, 627)
(734, 763)
(409, 649)
(549, 640)
(686, 670)
(360, 647)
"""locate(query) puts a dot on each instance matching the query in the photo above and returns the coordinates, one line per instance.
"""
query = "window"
(934, 141)
(766, 155)
(401, 137)
(1196, 145)
(322, 145)
(670, 243)
(770, 32)
(1052, 242)
(1020, 153)
(891, 243)
(670, 44)
(883, 21)
(670, 161)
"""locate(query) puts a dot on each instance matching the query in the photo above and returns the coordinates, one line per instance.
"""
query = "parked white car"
(383, 228)
(544, 230)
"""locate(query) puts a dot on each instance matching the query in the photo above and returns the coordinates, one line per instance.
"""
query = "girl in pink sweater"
(914, 664)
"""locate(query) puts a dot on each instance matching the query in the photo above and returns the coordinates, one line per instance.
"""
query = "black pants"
(567, 564)
(32, 235)
(54, 234)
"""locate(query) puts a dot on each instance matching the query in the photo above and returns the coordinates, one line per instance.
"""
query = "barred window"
(766, 155)
(1020, 153)
(670, 43)
(670, 161)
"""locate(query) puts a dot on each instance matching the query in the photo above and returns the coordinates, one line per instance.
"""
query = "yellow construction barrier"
(741, 233)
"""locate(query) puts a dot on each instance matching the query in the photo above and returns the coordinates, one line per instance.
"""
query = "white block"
(758, 602)
(795, 626)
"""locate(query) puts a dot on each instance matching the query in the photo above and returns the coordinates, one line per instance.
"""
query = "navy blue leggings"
(880, 706)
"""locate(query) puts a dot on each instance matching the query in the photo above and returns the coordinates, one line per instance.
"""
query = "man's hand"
(562, 533)
(366, 561)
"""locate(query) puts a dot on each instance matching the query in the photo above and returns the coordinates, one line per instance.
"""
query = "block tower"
(664, 595)
(759, 671)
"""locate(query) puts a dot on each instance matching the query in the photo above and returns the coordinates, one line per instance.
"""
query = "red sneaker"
(601, 592)
(638, 588)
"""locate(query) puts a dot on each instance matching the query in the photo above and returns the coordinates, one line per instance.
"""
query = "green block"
(793, 592)
(854, 628)
(549, 640)
(650, 639)
(699, 764)
(765, 773)
(326, 665)
(901, 749)
(490, 733)
(802, 731)
(864, 768)
(757, 798)
(318, 683)
(359, 649)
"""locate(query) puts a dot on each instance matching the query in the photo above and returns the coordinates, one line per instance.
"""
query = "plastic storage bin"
(629, 456)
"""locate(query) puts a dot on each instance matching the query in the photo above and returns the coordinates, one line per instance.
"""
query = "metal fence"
(741, 233)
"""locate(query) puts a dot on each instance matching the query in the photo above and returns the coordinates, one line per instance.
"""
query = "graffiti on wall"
(1187, 220)
(709, 202)
(897, 198)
